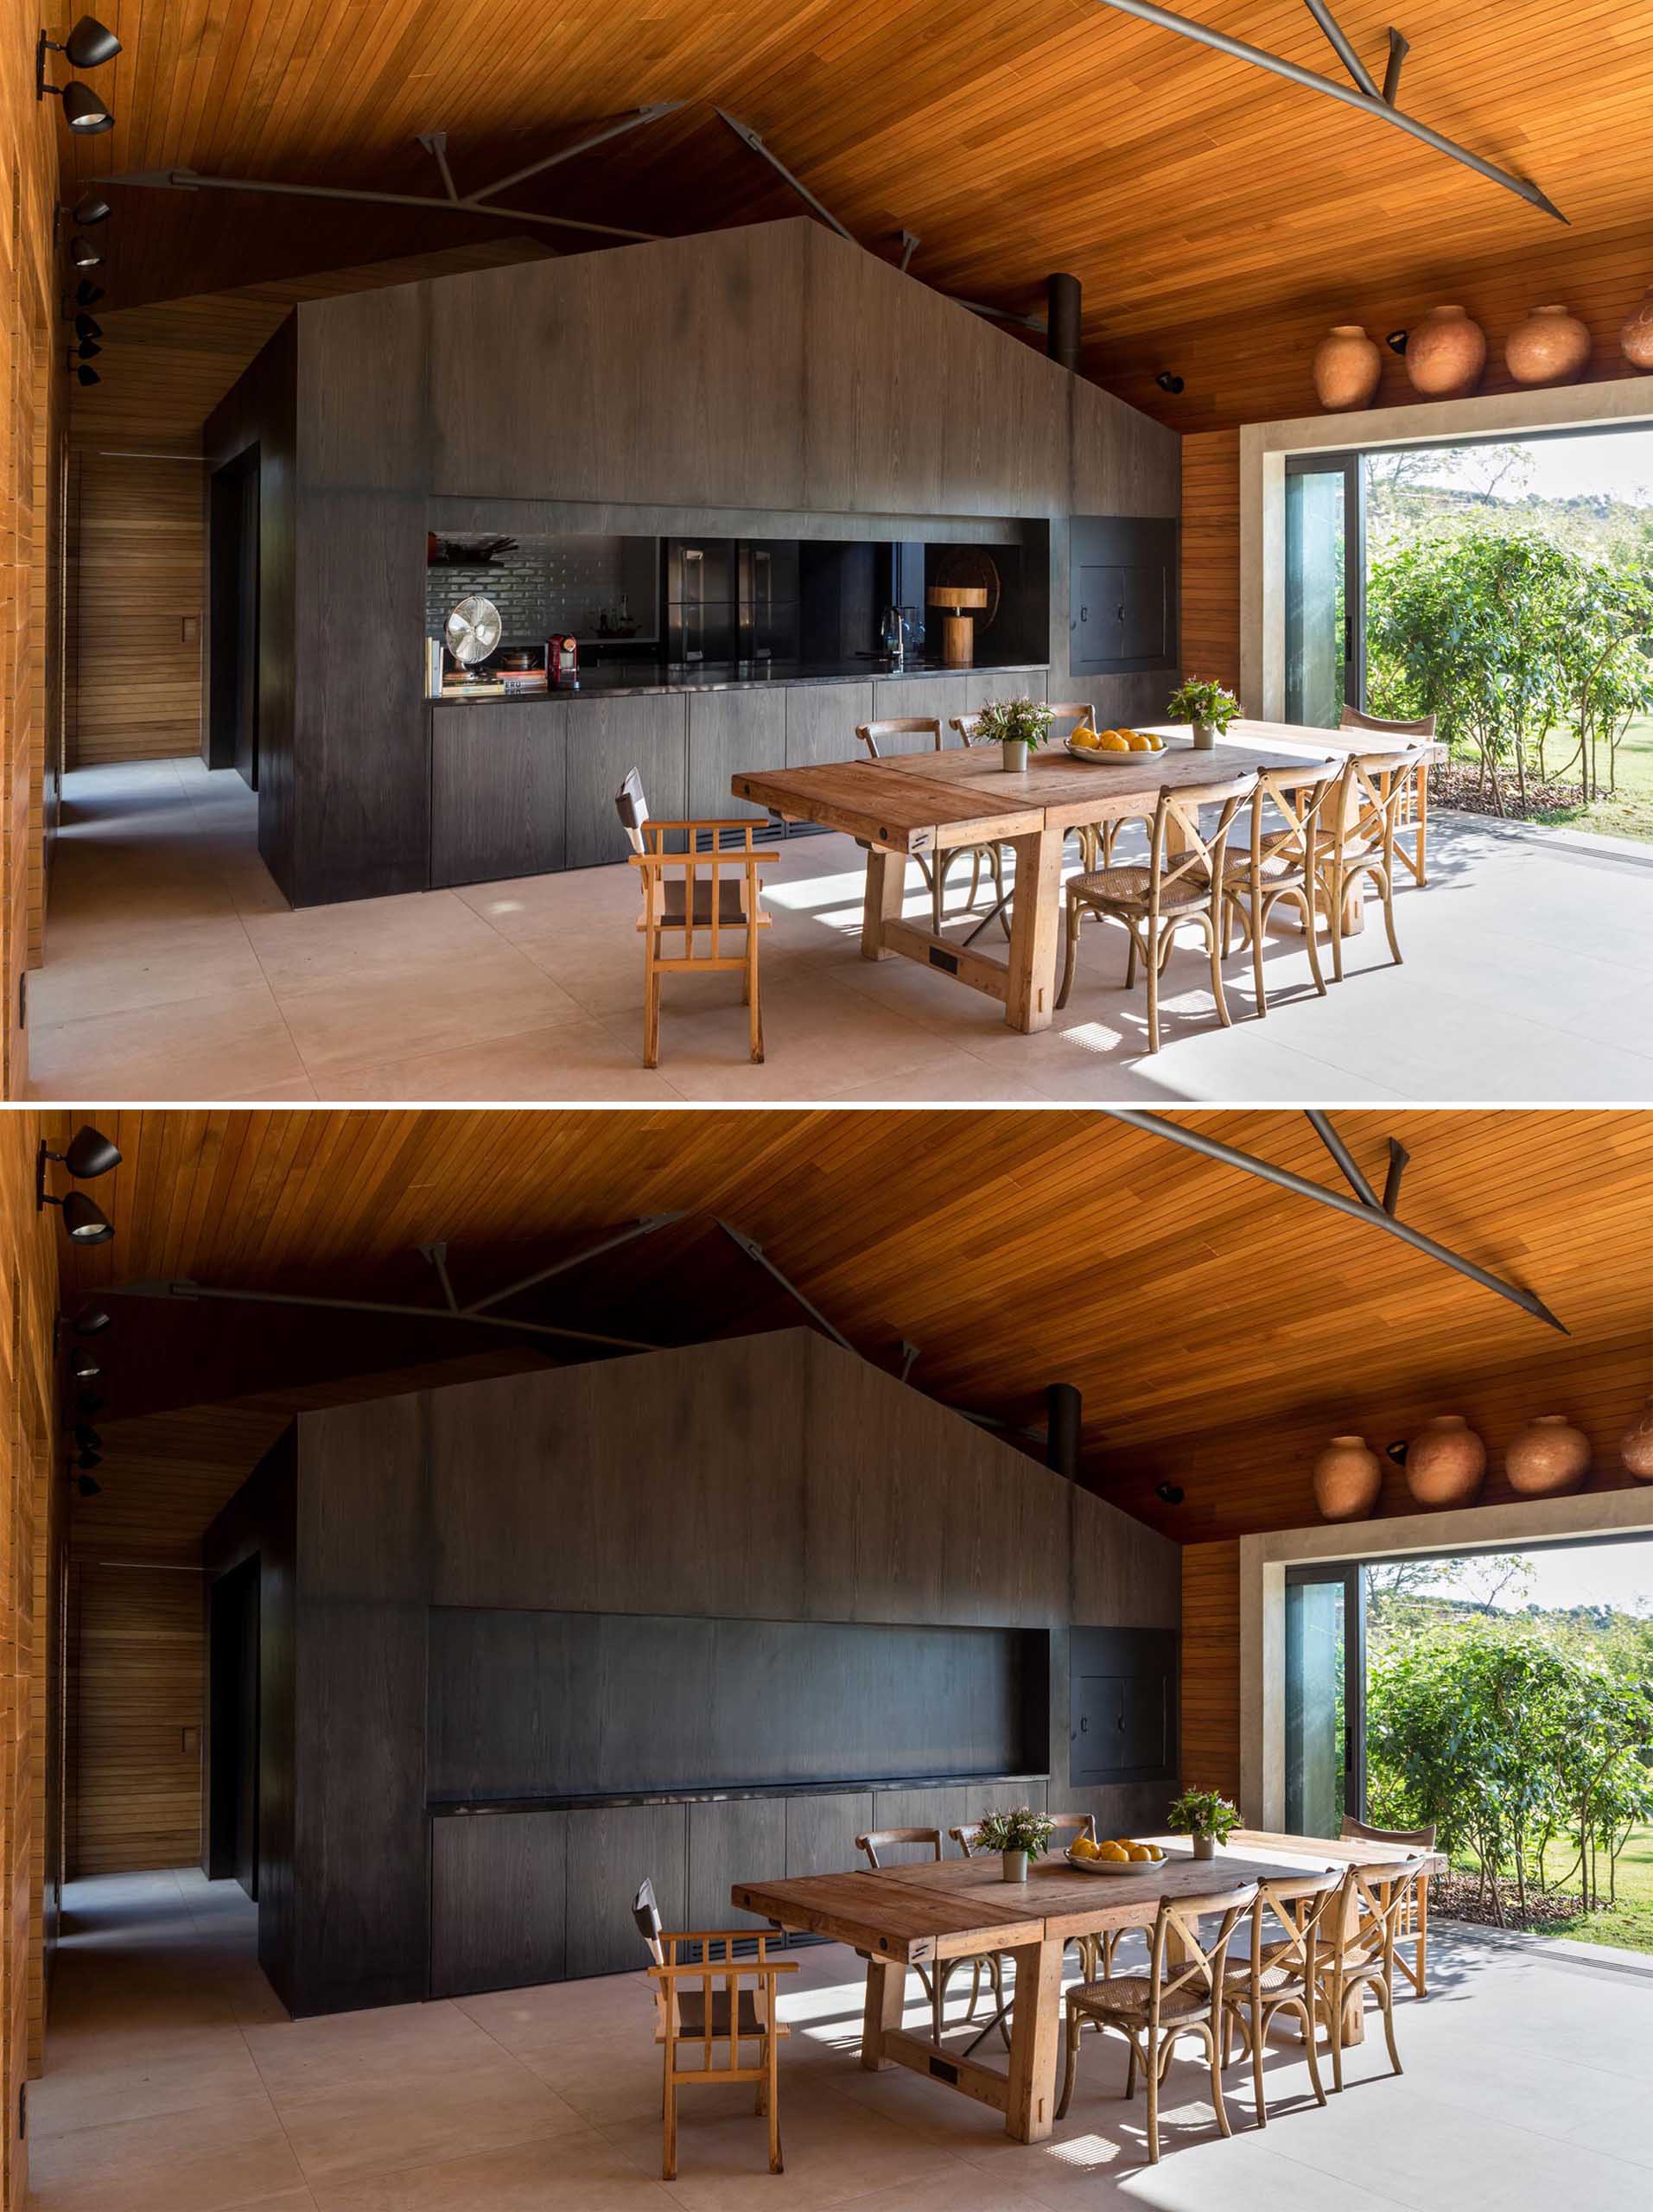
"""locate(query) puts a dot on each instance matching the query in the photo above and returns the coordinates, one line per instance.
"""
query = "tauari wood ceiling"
(1218, 1328)
(1220, 219)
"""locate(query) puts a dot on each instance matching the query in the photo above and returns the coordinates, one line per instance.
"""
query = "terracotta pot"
(1444, 354)
(1635, 338)
(1551, 346)
(1548, 1458)
(1348, 1476)
(1347, 369)
(1445, 1462)
(1636, 1449)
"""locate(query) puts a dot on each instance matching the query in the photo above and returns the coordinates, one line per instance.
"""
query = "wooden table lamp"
(964, 602)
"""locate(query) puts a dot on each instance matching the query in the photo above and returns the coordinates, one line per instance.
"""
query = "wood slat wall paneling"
(138, 669)
(1211, 557)
(499, 1902)
(1211, 1667)
(30, 1780)
(139, 1779)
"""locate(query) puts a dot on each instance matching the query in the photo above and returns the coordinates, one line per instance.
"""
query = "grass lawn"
(1630, 1922)
(1628, 811)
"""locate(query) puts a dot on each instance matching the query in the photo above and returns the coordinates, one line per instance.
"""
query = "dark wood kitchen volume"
(714, 463)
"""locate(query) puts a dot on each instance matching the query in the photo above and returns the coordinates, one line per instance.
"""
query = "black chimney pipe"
(1063, 297)
(1063, 1410)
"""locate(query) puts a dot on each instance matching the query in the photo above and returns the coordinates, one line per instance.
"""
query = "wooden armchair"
(1414, 808)
(713, 895)
(1414, 1924)
(710, 1999)
(936, 870)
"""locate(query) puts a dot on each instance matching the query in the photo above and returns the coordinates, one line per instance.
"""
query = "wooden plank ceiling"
(1220, 219)
(1218, 1328)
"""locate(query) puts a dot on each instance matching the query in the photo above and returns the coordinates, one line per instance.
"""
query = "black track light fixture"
(87, 294)
(90, 1321)
(1168, 381)
(87, 1437)
(1396, 342)
(84, 374)
(88, 1485)
(87, 350)
(84, 1367)
(88, 210)
(82, 254)
(86, 325)
(1169, 1493)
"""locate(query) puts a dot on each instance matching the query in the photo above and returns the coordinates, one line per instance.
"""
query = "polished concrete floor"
(174, 970)
(174, 2083)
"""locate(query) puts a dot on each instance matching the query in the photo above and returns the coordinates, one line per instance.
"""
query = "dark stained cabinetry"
(610, 1851)
(497, 1902)
(728, 731)
(821, 722)
(606, 738)
(499, 797)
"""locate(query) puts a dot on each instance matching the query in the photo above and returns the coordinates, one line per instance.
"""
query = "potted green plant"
(1203, 701)
(1016, 1837)
(1207, 1817)
(1013, 724)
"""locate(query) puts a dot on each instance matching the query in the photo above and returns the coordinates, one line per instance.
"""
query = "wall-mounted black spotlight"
(89, 1460)
(88, 1402)
(88, 1485)
(1168, 381)
(1395, 1451)
(91, 1321)
(82, 254)
(87, 1437)
(86, 1223)
(88, 211)
(89, 1154)
(1396, 342)
(88, 45)
(87, 350)
(1169, 1493)
(83, 374)
(87, 326)
(84, 1367)
(87, 294)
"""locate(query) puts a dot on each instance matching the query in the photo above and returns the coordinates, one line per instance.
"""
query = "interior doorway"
(233, 584)
(232, 1808)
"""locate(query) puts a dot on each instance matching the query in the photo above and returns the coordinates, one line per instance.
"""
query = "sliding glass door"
(1325, 1685)
(1326, 624)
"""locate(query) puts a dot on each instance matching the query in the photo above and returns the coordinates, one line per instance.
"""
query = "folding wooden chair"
(708, 1999)
(710, 894)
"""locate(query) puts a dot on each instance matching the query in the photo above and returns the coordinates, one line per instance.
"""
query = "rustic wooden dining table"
(900, 1917)
(928, 803)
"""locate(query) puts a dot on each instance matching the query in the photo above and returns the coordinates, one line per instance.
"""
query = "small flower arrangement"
(1012, 721)
(1203, 701)
(1204, 1812)
(1022, 1830)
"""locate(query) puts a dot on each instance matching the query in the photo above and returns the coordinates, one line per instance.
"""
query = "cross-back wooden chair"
(1177, 888)
(1096, 838)
(1359, 842)
(714, 895)
(708, 1999)
(1280, 1975)
(1181, 1994)
(1416, 807)
(1278, 863)
(1359, 1955)
(936, 869)
(934, 1978)
(1066, 1830)
(1413, 1925)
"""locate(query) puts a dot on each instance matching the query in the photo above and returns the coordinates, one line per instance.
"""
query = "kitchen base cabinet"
(610, 1851)
(982, 685)
(821, 720)
(729, 731)
(821, 1833)
(498, 1894)
(943, 697)
(606, 738)
(498, 791)
(729, 1842)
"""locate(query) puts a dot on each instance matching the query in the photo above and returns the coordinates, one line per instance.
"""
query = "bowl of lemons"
(1109, 747)
(1118, 1856)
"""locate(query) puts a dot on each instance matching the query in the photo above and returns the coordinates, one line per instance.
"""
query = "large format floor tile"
(175, 969)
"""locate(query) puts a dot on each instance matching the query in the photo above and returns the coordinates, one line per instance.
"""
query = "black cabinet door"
(1122, 594)
(606, 738)
(498, 1901)
(610, 1851)
(498, 790)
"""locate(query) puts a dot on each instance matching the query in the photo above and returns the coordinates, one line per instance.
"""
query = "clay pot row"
(1445, 352)
(1447, 1460)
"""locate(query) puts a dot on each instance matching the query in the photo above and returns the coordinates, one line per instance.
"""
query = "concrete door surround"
(1626, 403)
(1264, 1560)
